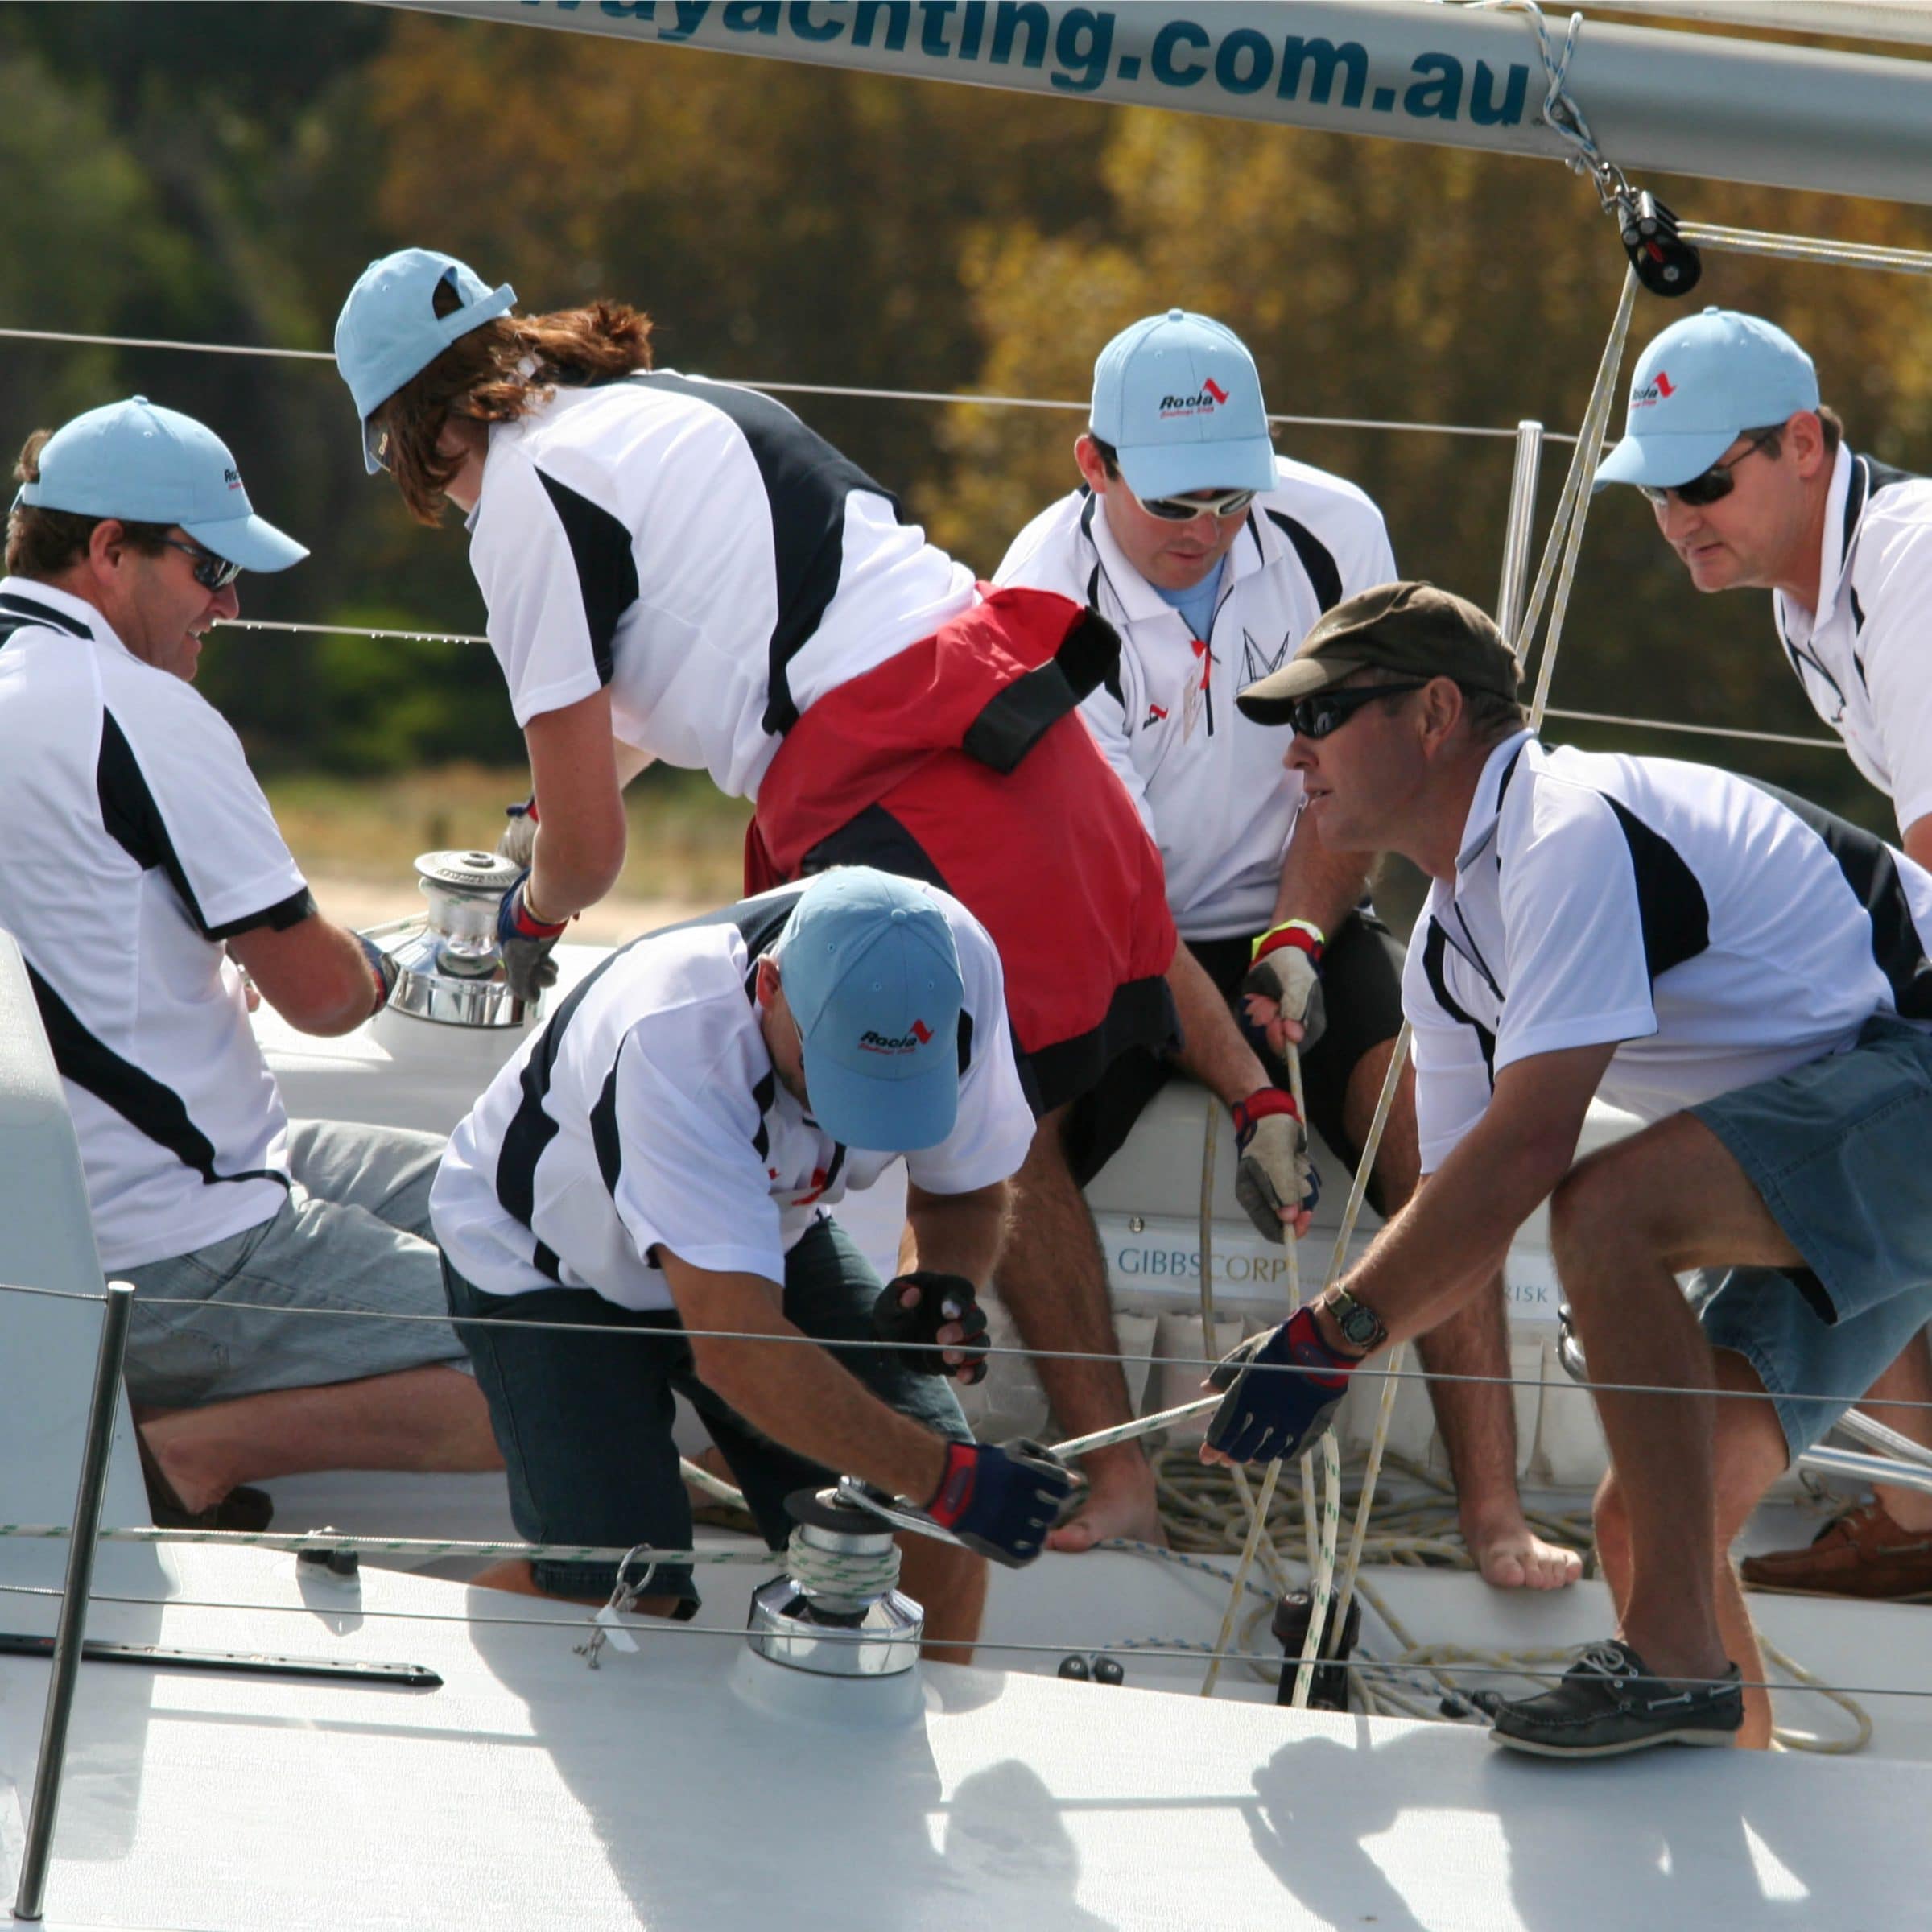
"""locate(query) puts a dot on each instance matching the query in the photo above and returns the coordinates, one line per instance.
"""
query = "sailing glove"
(525, 943)
(915, 1307)
(1272, 1168)
(518, 841)
(1286, 969)
(1001, 1502)
(1283, 1387)
(383, 969)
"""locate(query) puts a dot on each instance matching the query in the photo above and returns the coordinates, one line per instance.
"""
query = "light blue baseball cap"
(1178, 397)
(1698, 387)
(872, 978)
(142, 464)
(389, 329)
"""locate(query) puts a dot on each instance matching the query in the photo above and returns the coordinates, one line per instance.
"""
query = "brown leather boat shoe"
(1862, 1553)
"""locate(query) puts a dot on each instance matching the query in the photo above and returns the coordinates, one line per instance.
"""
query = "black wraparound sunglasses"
(1328, 711)
(211, 573)
(1716, 483)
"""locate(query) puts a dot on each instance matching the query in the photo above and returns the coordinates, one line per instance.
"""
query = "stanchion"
(72, 1629)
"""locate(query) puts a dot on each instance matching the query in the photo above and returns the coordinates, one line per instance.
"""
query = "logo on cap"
(233, 477)
(906, 1042)
(1660, 388)
(1201, 403)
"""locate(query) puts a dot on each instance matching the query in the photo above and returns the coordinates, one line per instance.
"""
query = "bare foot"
(1512, 1556)
(1120, 1502)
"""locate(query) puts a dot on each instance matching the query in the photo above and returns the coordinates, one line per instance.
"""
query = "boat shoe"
(1862, 1553)
(1608, 1702)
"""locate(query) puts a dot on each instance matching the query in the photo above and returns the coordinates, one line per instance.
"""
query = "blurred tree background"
(221, 173)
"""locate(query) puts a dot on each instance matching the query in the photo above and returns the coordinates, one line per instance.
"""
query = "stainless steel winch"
(448, 969)
(837, 1611)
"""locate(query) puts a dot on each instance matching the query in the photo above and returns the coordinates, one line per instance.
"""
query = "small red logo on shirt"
(1156, 713)
(819, 1177)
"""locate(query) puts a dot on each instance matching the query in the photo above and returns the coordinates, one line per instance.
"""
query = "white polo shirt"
(137, 841)
(646, 1113)
(1208, 782)
(1864, 656)
(696, 548)
(1718, 932)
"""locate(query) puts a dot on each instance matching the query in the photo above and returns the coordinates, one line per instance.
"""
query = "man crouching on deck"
(660, 1156)
(1746, 973)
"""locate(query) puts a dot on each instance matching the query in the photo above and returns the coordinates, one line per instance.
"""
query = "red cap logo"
(922, 1033)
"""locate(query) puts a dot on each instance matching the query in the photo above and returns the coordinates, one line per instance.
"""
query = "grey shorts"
(352, 1236)
(1840, 1152)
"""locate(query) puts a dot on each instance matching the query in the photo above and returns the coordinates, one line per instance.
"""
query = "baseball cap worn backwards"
(139, 463)
(872, 977)
(1699, 387)
(1411, 628)
(389, 329)
(1178, 397)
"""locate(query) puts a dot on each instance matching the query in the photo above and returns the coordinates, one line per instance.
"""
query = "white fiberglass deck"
(530, 1792)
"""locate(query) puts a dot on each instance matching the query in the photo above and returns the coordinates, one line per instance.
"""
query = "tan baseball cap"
(1410, 627)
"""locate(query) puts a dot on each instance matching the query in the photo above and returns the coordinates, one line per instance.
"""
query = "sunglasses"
(1714, 486)
(1184, 510)
(211, 573)
(1328, 711)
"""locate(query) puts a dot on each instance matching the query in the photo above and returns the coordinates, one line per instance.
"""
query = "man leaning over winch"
(1212, 556)
(143, 877)
(1755, 487)
(1746, 973)
(662, 1156)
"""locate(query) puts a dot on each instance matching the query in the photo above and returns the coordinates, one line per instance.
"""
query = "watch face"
(1358, 1323)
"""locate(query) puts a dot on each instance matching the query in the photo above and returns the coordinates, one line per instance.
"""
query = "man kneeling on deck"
(661, 1156)
(1743, 971)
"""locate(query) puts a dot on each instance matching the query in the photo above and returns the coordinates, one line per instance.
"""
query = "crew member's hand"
(1282, 994)
(1274, 1180)
(384, 968)
(1001, 1502)
(525, 942)
(518, 841)
(1283, 1387)
(942, 1311)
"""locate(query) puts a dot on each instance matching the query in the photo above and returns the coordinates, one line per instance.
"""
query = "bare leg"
(1477, 1420)
(1052, 1279)
(417, 1418)
(1622, 1225)
(1750, 1456)
(1908, 1380)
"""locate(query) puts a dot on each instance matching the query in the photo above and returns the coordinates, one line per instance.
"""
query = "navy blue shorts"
(1840, 1152)
(584, 1421)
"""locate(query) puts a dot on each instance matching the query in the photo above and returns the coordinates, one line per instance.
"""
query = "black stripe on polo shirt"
(806, 482)
(763, 1097)
(17, 612)
(607, 568)
(1670, 904)
(1872, 873)
(1434, 947)
(531, 1128)
(132, 819)
(1017, 716)
(1324, 575)
(603, 1137)
(148, 1105)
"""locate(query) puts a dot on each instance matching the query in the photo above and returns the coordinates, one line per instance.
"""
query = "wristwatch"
(1361, 1326)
